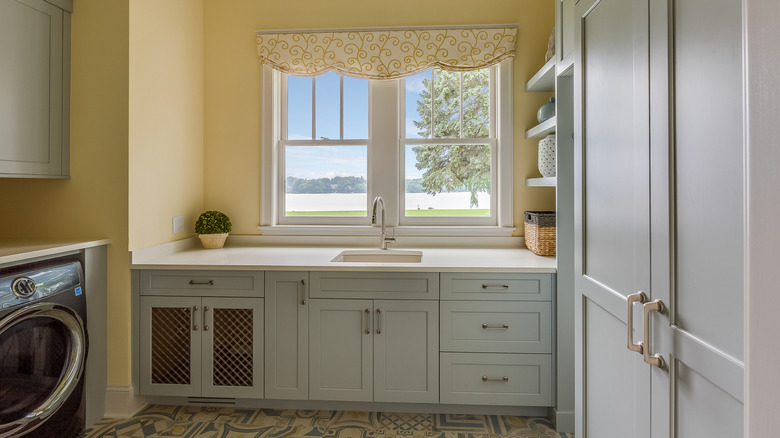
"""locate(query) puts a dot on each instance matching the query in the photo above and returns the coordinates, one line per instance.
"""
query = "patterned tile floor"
(202, 422)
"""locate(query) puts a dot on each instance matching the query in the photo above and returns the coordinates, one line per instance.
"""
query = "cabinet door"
(406, 351)
(232, 347)
(612, 208)
(287, 335)
(31, 89)
(170, 346)
(698, 268)
(341, 350)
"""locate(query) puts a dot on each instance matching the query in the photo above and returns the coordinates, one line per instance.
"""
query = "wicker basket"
(540, 232)
(213, 241)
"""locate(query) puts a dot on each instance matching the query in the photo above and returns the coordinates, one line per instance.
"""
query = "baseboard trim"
(563, 420)
(351, 406)
(121, 402)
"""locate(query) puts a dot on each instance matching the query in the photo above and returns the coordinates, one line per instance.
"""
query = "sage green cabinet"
(34, 89)
(287, 335)
(374, 350)
(201, 346)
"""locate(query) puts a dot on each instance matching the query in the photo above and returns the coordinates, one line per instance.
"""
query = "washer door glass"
(42, 352)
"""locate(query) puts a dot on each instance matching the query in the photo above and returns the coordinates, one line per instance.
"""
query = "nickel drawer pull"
(502, 327)
(487, 286)
(302, 294)
(652, 306)
(641, 298)
(203, 283)
(368, 329)
(503, 379)
(194, 322)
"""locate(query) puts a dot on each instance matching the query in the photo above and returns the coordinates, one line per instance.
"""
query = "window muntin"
(449, 148)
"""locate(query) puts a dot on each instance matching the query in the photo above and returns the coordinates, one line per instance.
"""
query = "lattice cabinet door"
(170, 346)
(233, 347)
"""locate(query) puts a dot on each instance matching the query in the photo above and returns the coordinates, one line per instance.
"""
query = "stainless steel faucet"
(383, 239)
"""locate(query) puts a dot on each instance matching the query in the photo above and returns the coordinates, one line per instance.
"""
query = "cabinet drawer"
(488, 287)
(202, 283)
(375, 285)
(496, 327)
(496, 379)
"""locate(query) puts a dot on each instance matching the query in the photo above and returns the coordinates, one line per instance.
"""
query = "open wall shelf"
(541, 182)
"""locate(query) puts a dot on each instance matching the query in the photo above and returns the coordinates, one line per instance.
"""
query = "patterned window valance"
(385, 53)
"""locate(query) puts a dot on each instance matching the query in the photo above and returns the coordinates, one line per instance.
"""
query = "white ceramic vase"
(546, 161)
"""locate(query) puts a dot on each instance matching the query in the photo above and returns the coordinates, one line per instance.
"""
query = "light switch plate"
(178, 224)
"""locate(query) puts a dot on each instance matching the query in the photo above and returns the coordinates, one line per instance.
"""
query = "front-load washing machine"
(43, 349)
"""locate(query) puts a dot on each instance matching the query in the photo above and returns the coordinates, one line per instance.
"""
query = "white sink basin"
(379, 256)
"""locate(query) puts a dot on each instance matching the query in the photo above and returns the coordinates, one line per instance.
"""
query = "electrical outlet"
(178, 224)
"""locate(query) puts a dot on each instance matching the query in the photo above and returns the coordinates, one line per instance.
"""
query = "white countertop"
(20, 250)
(185, 255)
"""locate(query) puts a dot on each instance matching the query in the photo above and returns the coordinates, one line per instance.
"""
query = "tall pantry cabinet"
(658, 210)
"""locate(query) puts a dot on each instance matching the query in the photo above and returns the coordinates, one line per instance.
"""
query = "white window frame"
(386, 147)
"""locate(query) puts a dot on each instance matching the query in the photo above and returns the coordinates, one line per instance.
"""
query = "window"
(324, 150)
(432, 145)
(448, 147)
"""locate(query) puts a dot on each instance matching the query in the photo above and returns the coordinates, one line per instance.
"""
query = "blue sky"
(330, 161)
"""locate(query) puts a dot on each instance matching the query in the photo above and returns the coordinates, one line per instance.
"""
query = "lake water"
(359, 201)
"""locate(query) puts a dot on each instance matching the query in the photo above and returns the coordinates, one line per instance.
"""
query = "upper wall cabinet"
(34, 88)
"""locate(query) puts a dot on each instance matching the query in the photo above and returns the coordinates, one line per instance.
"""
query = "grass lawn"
(438, 213)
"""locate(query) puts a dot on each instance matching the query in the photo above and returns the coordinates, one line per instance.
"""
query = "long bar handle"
(503, 379)
(653, 306)
(638, 297)
(202, 283)
(302, 292)
(368, 329)
(487, 286)
(503, 327)
(378, 321)
(205, 327)
(194, 311)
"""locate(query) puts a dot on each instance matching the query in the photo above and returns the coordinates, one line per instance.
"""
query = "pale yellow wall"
(232, 82)
(93, 203)
(165, 119)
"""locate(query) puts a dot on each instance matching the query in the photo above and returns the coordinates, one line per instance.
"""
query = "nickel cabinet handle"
(205, 327)
(202, 283)
(194, 321)
(302, 292)
(368, 329)
(653, 306)
(503, 379)
(639, 297)
(501, 327)
(378, 321)
(487, 286)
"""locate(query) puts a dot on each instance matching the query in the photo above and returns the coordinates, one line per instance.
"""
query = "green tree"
(450, 167)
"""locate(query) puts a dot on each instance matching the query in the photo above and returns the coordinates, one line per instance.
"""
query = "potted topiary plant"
(212, 228)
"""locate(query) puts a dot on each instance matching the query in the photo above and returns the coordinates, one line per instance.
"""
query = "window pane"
(355, 108)
(325, 180)
(446, 104)
(476, 104)
(418, 105)
(447, 180)
(298, 108)
(328, 106)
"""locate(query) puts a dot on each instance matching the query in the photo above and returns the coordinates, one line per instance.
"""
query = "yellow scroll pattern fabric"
(385, 54)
